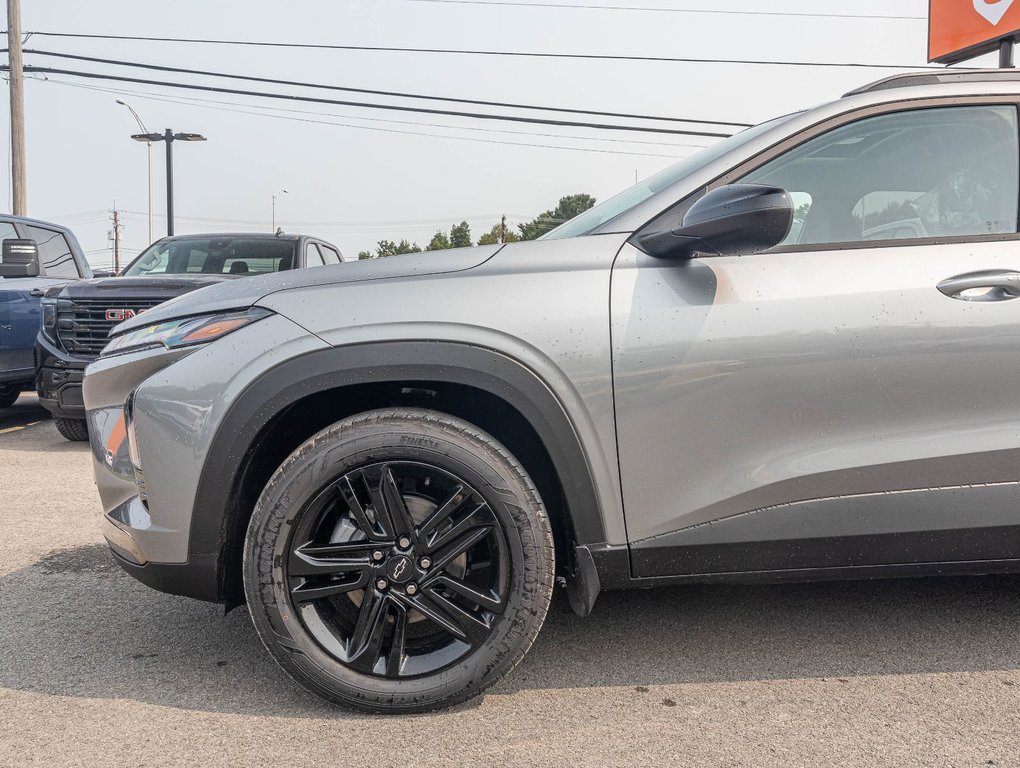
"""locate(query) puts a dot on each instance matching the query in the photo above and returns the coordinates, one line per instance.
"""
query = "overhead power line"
(219, 103)
(349, 89)
(707, 11)
(252, 111)
(388, 107)
(346, 226)
(479, 52)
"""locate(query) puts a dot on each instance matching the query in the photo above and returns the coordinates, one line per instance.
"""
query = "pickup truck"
(77, 318)
(37, 255)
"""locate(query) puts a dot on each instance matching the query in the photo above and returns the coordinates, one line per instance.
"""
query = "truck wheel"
(400, 560)
(72, 429)
(9, 396)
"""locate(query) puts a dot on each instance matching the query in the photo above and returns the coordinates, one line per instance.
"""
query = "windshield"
(214, 256)
(594, 217)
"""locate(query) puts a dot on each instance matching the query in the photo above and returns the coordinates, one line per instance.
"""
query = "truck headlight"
(186, 332)
(49, 319)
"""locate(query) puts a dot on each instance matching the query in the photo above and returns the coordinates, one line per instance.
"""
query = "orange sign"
(960, 29)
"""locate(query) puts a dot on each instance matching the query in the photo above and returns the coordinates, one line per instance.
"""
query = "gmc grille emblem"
(120, 315)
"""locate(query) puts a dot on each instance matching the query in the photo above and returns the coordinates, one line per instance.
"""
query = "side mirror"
(104, 273)
(734, 220)
(19, 258)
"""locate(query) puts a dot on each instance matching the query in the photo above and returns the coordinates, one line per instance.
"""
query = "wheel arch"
(294, 400)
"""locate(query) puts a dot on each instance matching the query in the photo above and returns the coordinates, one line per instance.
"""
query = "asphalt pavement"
(97, 670)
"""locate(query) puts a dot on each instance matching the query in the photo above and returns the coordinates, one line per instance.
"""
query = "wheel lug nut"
(403, 542)
(425, 562)
(381, 584)
(412, 588)
(377, 555)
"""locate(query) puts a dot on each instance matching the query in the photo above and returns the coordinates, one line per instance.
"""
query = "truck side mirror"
(19, 258)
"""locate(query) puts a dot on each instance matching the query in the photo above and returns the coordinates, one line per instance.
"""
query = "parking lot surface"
(96, 669)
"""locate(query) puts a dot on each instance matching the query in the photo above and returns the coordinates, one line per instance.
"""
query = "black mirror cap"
(735, 220)
(19, 258)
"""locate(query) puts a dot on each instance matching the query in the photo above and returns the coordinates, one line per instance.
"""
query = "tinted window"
(941, 172)
(331, 255)
(312, 256)
(586, 222)
(7, 232)
(215, 255)
(54, 252)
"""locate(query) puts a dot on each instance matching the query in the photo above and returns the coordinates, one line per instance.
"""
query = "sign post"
(962, 29)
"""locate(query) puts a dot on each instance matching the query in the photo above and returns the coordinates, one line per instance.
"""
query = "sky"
(354, 176)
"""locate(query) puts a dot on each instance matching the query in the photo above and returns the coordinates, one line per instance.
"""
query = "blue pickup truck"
(26, 272)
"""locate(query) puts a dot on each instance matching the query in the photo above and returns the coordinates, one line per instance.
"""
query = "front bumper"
(58, 380)
(129, 533)
(178, 399)
(60, 393)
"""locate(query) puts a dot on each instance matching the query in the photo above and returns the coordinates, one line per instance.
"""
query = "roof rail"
(935, 78)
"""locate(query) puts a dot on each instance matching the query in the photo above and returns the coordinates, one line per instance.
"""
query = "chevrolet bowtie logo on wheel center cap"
(399, 569)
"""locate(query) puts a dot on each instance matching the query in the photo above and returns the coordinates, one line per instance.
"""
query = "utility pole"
(502, 229)
(116, 239)
(17, 86)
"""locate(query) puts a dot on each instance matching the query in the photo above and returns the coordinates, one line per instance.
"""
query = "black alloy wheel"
(399, 561)
(398, 569)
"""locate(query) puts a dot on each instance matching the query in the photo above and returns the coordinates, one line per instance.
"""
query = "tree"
(439, 242)
(389, 248)
(568, 207)
(460, 235)
(492, 236)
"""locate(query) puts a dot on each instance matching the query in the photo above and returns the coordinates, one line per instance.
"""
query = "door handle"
(990, 285)
(37, 292)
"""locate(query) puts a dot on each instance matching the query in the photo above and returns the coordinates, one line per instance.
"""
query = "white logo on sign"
(994, 11)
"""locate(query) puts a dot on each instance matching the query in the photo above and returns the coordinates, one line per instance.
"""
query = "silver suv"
(792, 356)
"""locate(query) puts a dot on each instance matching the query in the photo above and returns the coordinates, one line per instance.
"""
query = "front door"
(850, 398)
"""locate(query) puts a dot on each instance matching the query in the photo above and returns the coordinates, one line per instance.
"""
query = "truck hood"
(126, 288)
(239, 294)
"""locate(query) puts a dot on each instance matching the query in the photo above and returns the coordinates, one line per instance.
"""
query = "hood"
(239, 294)
(127, 288)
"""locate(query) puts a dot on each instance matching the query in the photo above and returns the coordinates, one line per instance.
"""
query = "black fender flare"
(381, 362)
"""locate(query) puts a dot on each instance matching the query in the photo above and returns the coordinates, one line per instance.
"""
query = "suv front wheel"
(400, 560)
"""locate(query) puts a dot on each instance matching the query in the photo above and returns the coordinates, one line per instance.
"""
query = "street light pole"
(169, 137)
(276, 195)
(148, 152)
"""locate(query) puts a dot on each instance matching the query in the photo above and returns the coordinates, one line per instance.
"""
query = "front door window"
(941, 172)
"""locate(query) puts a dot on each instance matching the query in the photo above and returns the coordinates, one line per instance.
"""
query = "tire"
(365, 635)
(9, 396)
(75, 430)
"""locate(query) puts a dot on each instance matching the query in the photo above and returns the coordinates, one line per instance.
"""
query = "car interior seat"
(830, 221)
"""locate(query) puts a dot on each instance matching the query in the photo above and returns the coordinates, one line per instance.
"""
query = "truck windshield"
(215, 256)
(588, 221)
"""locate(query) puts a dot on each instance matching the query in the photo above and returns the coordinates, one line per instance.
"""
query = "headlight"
(186, 332)
(49, 318)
